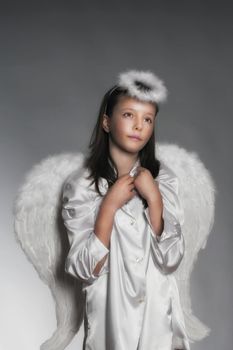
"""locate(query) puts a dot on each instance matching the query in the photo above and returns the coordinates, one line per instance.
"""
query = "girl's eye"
(127, 114)
(149, 120)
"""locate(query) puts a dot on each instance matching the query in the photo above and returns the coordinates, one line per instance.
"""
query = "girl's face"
(131, 124)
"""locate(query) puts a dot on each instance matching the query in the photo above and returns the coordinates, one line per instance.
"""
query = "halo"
(143, 85)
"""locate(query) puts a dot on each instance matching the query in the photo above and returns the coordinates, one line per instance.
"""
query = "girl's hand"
(146, 185)
(120, 192)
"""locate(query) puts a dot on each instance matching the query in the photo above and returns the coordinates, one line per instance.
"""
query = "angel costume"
(140, 299)
(133, 303)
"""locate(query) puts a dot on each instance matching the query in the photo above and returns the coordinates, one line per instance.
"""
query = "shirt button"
(68, 186)
(65, 200)
(71, 211)
(132, 221)
(140, 300)
(138, 259)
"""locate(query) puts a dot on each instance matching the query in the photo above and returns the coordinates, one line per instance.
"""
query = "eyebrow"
(134, 110)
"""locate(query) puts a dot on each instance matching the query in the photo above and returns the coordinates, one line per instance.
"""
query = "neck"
(124, 161)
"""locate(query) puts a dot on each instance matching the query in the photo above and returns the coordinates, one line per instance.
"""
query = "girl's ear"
(106, 123)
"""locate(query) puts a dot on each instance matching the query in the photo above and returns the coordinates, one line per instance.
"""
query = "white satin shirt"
(133, 303)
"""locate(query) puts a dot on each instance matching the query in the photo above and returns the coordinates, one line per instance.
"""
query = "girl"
(123, 218)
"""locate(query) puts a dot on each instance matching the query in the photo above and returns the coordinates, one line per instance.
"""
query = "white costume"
(133, 303)
(42, 236)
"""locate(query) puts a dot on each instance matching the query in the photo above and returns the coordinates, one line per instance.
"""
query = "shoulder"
(169, 186)
(167, 178)
(78, 185)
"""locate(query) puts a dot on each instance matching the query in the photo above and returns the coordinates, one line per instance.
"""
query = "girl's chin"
(132, 150)
(135, 146)
(130, 146)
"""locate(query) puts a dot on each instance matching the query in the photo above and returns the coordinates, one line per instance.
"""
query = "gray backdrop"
(57, 59)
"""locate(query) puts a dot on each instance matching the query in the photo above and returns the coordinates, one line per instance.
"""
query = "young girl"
(123, 218)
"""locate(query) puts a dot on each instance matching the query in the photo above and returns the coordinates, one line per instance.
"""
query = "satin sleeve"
(86, 249)
(168, 248)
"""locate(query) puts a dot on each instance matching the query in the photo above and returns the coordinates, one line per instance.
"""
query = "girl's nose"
(138, 125)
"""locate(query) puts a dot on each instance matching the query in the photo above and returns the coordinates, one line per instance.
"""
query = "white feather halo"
(144, 85)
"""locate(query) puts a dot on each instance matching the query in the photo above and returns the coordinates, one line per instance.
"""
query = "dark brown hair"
(99, 161)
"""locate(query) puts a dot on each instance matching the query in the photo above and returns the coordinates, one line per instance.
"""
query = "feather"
(42, 236)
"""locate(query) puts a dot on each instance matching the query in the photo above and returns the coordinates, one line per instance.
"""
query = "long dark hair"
(99, 161)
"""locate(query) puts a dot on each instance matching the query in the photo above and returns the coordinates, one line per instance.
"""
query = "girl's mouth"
(135, 137)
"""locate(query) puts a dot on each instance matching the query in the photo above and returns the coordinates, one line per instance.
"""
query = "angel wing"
(39, 230)
(197, 195)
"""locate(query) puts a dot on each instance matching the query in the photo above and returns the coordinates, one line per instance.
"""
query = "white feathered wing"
(40, 231)
(43, 238)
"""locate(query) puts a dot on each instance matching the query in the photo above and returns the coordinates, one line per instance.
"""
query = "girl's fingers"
(131, 179)
(131, 188)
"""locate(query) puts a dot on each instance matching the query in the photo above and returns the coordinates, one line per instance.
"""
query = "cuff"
(153, 233)
(96, 247)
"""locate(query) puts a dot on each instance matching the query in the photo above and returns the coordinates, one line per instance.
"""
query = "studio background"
(57, 60)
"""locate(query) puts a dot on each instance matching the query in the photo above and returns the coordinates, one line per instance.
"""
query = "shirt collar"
(133, 170)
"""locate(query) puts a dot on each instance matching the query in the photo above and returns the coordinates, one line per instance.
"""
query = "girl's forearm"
(103, 228)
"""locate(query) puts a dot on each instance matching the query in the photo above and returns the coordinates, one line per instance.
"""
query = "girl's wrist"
(152, 201)
(108, 206)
